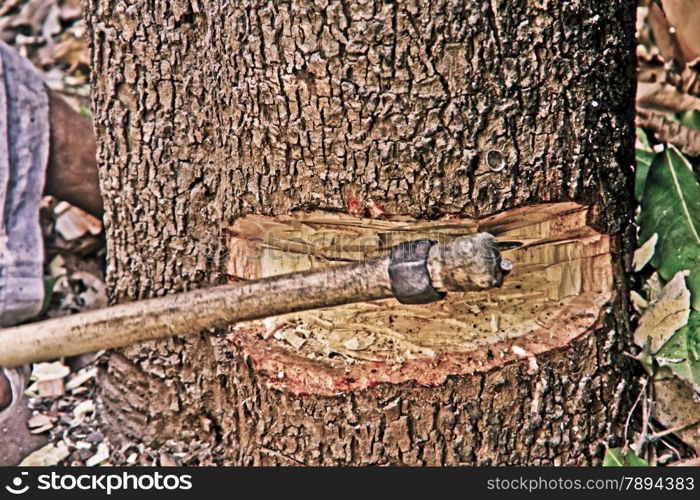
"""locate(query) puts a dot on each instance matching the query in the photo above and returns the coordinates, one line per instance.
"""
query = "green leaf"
(644, 155)
(85, 111)
(689, 118)
(682, 352)
(671, 207)
(643, 142)
(621, 457)
(49, 285)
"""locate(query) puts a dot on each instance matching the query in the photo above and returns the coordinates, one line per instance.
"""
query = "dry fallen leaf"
(166, 460)
(8, 5)
(57, 267)
(639, 303)
(644, 253)
(94, 295)
(669, 313)
(665, 41)
(674, 406)
(42, 429)
(73, 51)
(70, 10)
(652, 287)
(684, 17)
(33, 14)
(657, 96)
(691, 462)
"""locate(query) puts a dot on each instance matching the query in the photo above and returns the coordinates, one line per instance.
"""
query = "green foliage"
(689, 118)
(621, 457)
(85, 111)
(670, 206)
(682, 352)
(49, 285)
(644, 155)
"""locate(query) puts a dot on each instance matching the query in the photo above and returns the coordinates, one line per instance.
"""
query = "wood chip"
(359, 343)
(100, 456)
(50, 388)
(40, 420)
(49, 378)
(48, 455)
(167, 460)
(80, 378)
(80, 411)
(39, 430)
(290, 336)
(72, 223)
(49, 371)
(57, 267)
(495, 322)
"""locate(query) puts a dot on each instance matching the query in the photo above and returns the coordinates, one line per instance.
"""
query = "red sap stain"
(354, 206)
(344, 383)
(455, 216)
(376, 209)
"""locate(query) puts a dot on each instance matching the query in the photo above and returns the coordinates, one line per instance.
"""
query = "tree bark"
(207, 111)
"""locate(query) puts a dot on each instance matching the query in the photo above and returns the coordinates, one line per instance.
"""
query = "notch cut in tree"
(561, 278)
(221, 124)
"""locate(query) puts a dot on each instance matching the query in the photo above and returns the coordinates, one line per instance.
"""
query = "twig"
(634, 405)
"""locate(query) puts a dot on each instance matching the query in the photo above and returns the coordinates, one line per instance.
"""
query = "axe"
(415, 272)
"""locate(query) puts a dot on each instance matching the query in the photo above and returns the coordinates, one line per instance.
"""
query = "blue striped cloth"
(24, 152)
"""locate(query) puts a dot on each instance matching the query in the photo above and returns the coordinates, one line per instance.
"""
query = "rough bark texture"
(207, 110)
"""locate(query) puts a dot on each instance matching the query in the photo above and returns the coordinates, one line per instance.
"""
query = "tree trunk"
(244, 139)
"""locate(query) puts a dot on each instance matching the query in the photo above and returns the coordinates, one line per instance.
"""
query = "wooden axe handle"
(467, 263)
